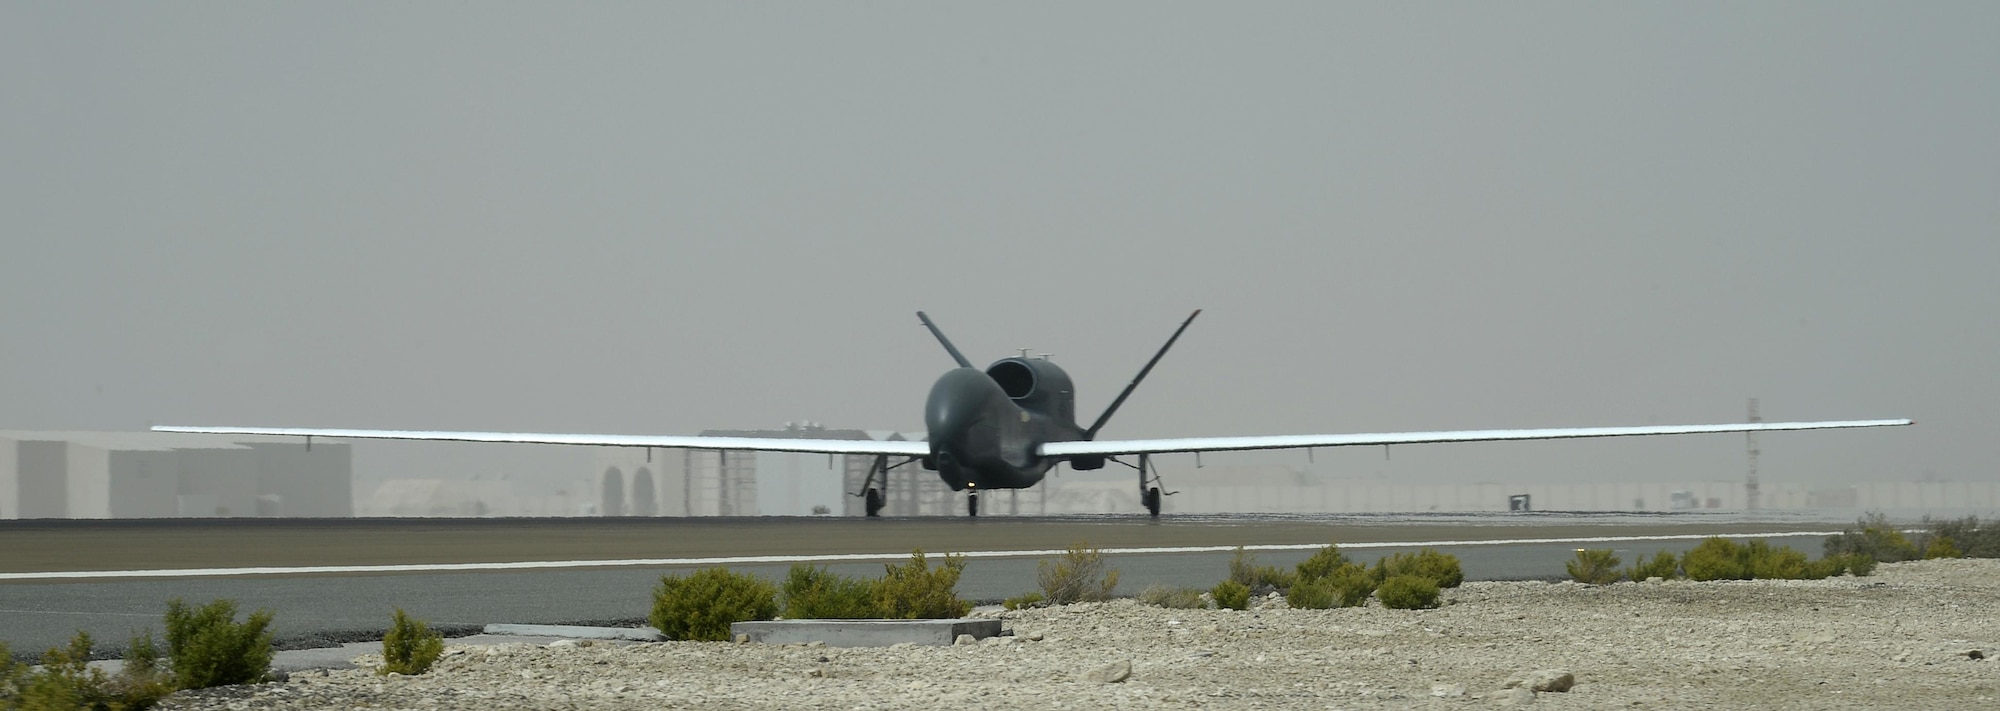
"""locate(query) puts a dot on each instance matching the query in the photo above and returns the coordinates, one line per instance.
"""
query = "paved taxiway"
(36, 614)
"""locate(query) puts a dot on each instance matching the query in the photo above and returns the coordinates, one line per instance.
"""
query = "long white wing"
(1219, 444)
(758, 444)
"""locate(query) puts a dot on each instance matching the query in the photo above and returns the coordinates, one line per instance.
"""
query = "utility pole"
(1750, 438)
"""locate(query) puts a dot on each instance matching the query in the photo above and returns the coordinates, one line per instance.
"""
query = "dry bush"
(1439, 568)
(207, 647)
(1081, 575)
(1596, 566)
(1663, 564)
(1322, 563)
(701, 606)
(1408, 592)
(916, 591)
(1231, 595)
(1178, 598)
(1259, 579)
(409, 647)
(814, 593)
(1873, 536)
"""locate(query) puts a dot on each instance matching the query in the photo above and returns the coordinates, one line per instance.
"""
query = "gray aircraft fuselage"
(986, 426)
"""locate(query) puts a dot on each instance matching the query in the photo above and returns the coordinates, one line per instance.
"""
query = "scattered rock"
(1112, 673)
(562, 644)
(965, 640)
(742, 639)
(1974, 654)
(1448, 691)
(1555, 680)
(1512, 696)
(1902, 656)
(1035, 636)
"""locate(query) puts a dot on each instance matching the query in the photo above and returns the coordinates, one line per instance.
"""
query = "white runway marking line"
(832, 558)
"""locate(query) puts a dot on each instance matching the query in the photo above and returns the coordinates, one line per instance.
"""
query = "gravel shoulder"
(1897, 639)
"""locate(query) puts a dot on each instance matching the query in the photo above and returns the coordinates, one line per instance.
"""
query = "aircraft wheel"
(972, 504)
(1153, 501)
(873, 501)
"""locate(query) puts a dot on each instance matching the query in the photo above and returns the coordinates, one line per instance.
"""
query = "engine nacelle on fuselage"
(985, 427)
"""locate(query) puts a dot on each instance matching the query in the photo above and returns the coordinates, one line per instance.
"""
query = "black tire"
(873, 503)
(972, 505)
(1153, 501)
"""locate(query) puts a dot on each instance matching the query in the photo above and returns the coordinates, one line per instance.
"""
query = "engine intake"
(1014, 377)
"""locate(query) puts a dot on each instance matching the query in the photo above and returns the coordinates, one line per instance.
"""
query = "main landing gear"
(872, 498)
(1149, 485)
(972, 504)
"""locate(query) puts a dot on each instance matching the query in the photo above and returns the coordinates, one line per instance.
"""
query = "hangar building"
(162, 475)
(637, 482)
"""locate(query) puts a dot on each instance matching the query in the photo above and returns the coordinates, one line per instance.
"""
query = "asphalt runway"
(315, 608)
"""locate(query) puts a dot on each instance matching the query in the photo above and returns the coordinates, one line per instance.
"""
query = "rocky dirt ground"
(1914, 635)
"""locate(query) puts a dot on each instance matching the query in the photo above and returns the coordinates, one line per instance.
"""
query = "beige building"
(161, 475)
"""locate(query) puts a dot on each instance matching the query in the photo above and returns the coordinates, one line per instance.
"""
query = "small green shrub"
(1322, 563)
(1780, 563)
(1024, 601)
(1941, 547)
(143, 680)
(409, 647)
(1408, 592)
(1858, 565)
(815, 593)
(1875, 537)
(1352, 584)
(1260, 579)
(10, 676)
(1716, 558)
(1972, 539)
(1663, 564)
(1347, 585)
(1314, 594)
(1178, 598)
(915, 591)
(1596, 566)
(1826, 568)
(66, 681)
(702, 605)
(207, 647)
(1231, 595)
(1439, 568)
(1081, 575)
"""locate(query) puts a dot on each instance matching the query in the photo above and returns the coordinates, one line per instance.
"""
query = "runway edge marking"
(827, 558)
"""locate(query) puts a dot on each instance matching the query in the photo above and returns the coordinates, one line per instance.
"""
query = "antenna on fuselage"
(946, 342)
(1106, 417)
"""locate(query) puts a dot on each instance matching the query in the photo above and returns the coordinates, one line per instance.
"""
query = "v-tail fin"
(1106, 417)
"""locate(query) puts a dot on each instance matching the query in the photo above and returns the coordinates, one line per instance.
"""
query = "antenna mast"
(1750, 438)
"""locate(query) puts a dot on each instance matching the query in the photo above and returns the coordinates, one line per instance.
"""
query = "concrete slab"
(865, 633)
(636, 634)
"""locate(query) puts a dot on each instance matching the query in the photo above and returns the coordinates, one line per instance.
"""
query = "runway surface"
(604, 569)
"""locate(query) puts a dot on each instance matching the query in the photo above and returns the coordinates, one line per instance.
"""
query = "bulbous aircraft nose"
(957, 401)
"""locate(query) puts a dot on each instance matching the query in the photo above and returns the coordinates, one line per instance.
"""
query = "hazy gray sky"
(663, 218)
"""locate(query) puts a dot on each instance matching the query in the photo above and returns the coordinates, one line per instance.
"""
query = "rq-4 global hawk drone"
(1004, 428)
